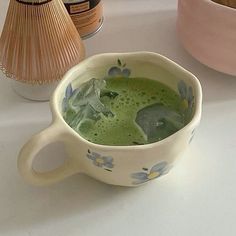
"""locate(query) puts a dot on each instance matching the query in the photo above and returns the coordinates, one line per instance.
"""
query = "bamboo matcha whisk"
(229, 3)
(39, 41)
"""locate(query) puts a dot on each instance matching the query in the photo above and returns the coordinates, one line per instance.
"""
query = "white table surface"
(198, 197)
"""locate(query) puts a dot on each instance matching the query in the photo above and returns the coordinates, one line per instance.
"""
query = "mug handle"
(27, 154)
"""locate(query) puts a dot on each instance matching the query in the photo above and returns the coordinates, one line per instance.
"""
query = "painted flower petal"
(108, 159)
(114, 71)
(140, 175)
(96, 155)
(109, 165)
(182, 87)
(159, 167)
(91, 157)
(166, 170)
(126, 72)
(108, 162)
(69, 91)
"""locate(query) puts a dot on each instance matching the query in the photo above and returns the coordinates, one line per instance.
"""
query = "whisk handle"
(32, 148)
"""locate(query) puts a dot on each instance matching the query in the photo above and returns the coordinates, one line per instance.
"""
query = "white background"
(196, 198)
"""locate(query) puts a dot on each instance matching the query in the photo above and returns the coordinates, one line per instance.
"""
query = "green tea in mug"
(124, 111)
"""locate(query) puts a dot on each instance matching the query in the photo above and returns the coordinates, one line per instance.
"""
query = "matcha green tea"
(124, 111)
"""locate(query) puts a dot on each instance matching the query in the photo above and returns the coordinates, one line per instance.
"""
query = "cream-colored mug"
(118, 165)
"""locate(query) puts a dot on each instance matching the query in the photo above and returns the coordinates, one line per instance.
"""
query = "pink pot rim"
(218, 5)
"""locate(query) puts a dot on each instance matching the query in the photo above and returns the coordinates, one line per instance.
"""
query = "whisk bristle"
(39, 41)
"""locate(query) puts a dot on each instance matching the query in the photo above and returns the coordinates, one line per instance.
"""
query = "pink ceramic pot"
(208, 32)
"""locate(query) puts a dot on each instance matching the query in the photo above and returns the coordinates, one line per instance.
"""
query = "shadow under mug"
(117, 165)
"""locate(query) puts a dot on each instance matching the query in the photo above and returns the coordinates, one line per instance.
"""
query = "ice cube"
(85, 102)
(158, 121)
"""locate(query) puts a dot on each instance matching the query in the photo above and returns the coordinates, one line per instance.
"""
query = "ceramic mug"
(117, 165)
